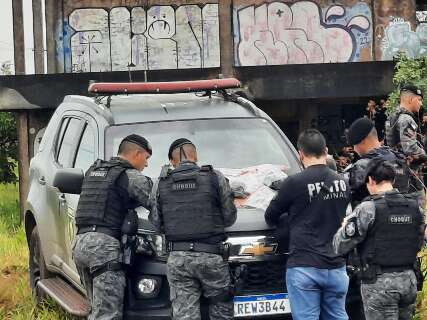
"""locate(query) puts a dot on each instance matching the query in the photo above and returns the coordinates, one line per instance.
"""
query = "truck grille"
(263, 277)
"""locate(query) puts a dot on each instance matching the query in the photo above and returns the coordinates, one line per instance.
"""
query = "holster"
(419, 274)
(129, 244)
(226, 251)
(368, 274)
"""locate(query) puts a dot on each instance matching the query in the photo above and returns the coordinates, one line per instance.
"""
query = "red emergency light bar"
(110, 88)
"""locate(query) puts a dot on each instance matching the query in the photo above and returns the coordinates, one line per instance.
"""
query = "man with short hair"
(316, 201)
(111, 190)
(192, 206)
(387, 228)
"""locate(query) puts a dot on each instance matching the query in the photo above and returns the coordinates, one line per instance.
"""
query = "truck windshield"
(223, 143)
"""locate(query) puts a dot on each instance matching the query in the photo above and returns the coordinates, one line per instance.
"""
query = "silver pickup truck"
(230, 132)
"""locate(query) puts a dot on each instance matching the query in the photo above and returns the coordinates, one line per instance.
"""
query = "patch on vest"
(183, 186)
(98, 174)
(400, 219)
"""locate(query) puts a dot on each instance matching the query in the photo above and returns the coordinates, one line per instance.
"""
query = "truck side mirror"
(69, 180)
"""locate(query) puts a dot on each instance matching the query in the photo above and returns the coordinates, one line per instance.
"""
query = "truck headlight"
(148, 286)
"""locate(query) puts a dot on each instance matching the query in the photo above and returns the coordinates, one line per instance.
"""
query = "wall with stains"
(145, 38)
(299, 32)
(93, 36)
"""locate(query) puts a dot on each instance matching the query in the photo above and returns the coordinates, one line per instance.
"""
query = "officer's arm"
(408, 136)
(354, 228)
(139, 187)
(280, 203)
(228, 209)
(155, 216)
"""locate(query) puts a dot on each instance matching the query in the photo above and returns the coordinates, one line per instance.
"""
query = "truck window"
(69, 141)
(86, 151)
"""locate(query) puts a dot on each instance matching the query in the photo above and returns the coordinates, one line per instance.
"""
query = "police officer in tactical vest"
(362, 135)
(402, 132)
(111, 190)
(388, 229)
(192, 207)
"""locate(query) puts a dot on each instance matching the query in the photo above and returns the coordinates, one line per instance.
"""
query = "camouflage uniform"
(393, 294)
(356, 173)
(93, 250)
(402, 133)
(190, 274)
(193, 274)
(105, 291)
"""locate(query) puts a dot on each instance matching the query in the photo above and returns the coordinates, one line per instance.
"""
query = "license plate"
(269, 304)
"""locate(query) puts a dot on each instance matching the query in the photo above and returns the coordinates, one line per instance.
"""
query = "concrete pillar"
(18, 36)
(38, 18)
(226, 37)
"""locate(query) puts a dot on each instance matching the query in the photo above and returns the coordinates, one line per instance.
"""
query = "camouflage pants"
(192, 274)
(106, 291)
(391, 297)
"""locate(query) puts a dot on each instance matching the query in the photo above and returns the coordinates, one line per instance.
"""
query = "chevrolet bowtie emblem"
(258, 249)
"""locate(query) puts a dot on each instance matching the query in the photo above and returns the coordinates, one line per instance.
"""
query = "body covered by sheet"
(254, 186)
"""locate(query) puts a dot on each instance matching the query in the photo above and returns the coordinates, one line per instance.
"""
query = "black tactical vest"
(102, 202)
(394, 239)
(392, 132)
(190, 204)
(357, 173)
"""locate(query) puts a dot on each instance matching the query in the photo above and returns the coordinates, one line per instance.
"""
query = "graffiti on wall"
(280, 33)
(421, 16)
(399, 38)
(160, 37)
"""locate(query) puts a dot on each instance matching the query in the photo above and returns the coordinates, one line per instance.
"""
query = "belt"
(115, 233)
(196, 247)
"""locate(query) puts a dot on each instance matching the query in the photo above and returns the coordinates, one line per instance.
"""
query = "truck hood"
(248, 219)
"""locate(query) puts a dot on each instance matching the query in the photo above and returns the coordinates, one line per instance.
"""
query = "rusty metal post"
(24, 163)
(38, 36)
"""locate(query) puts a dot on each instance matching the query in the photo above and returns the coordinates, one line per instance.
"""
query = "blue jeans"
(317, 293)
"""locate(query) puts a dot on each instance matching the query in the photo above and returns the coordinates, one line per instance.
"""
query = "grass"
(16, 301)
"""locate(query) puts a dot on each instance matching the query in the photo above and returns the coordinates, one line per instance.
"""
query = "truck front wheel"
(37, 266)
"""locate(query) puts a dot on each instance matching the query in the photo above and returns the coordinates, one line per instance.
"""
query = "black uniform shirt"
(316, 201)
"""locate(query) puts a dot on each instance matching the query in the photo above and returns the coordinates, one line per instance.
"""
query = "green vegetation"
(408, 71)
(16, 301)
(8, 148)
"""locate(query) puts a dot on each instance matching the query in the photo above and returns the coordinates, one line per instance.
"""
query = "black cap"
(359, 130)
(140, 141)
(412, 89)
(177, 144)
